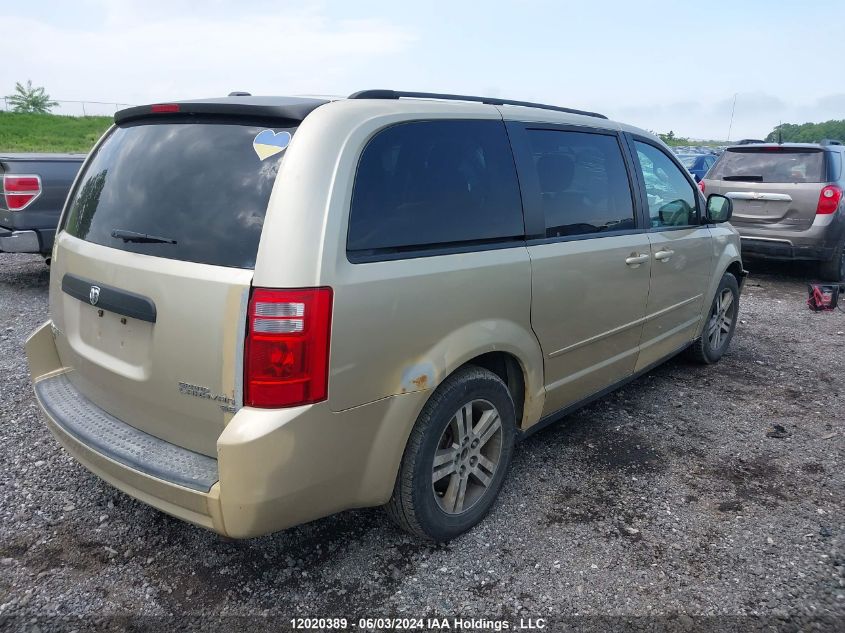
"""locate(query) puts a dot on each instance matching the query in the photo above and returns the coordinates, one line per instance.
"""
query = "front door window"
(671, 197)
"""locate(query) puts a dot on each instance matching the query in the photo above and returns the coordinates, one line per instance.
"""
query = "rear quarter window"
(428, 184)
(200, 185)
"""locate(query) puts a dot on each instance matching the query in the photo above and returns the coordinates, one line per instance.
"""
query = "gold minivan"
(267, 310)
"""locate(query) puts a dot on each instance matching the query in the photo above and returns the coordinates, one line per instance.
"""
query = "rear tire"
(720, 325)
(456, 458)
(834, 268)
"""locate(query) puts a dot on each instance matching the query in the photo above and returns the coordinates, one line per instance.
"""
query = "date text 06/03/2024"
(408, 624)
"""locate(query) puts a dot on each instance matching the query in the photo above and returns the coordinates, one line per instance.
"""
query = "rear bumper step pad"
(121, 442)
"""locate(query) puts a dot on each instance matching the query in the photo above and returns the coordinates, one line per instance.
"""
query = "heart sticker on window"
(268, 143)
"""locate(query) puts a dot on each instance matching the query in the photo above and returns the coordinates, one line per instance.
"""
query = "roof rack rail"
(396, 94)
(830, 141)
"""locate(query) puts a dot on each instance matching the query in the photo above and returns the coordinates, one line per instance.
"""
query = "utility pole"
(733, 109)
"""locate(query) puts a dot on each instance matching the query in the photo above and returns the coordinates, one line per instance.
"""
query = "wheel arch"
(514, 355)
(507, 367)
(735, 268)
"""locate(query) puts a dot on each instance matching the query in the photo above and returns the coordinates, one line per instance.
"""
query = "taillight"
(286, 359)
(20, 190)
(701, 185)
(829, 200)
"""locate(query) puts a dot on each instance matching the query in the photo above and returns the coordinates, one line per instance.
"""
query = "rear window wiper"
(142, 238)
(745, 177)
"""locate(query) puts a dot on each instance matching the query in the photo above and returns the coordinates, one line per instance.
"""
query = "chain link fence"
(79, 108)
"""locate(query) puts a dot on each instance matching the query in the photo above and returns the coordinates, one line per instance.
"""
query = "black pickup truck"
(34, 188)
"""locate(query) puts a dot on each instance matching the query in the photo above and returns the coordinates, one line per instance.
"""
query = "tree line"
(808, 132)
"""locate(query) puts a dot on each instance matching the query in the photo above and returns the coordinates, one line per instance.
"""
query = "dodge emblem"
(94, 295)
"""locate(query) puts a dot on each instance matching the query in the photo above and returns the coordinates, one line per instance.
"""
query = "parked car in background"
(697, 164)
(34, 189)
(433, 277)
(787, 201)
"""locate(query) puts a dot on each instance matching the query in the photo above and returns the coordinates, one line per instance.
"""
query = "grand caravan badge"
(226, 403)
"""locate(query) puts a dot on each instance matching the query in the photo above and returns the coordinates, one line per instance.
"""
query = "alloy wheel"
(721, 318)
(467, 456)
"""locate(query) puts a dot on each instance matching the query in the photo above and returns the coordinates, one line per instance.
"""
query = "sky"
(660, 65)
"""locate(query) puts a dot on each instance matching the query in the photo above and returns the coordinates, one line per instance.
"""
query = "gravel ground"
(665, 498)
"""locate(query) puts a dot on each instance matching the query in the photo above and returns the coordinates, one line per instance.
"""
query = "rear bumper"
(274, 468)
(817, 242)
(19, 241)
(200, 508)
(766, 248)
(105, 434)
(31, 241)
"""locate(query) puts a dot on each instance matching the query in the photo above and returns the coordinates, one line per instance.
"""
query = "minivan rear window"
(770, 164)
(201, 186)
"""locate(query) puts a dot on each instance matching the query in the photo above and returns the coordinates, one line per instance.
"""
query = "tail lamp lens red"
(701, 185)
(287, 347)
(19, 190)
(829, 200)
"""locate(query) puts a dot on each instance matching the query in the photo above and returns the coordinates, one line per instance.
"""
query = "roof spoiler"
(292, 111)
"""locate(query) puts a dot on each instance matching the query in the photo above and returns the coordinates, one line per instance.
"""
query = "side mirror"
(719, 208)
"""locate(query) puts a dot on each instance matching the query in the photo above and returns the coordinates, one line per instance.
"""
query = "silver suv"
(787, 201)
(267, 310)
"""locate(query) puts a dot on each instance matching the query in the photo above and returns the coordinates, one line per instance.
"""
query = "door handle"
(663, 255)
(636, 259)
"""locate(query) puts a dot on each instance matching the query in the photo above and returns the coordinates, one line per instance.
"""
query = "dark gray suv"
(787, 201)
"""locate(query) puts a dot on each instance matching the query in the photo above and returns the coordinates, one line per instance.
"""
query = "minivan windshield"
(770, 164)
(192, 191)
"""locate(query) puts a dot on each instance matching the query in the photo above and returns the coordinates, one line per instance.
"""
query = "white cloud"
(139, 55)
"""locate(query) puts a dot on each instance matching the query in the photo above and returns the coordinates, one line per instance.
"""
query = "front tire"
(456, 458)
(720, 325)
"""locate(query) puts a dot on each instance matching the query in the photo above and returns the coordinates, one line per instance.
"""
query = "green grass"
(50, 132)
